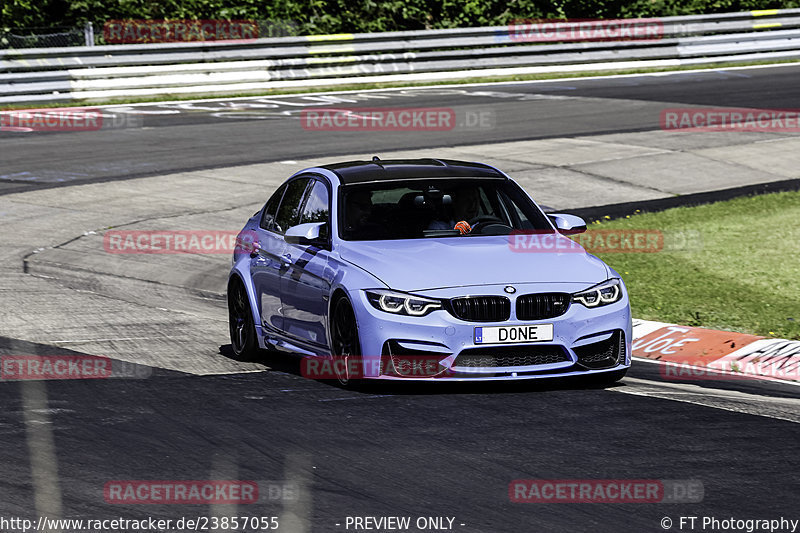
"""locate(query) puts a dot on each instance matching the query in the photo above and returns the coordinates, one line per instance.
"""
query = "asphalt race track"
(405, 453)
(182, 137)
(178, 406)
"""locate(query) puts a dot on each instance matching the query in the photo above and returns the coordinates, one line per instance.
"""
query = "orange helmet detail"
(463, 226)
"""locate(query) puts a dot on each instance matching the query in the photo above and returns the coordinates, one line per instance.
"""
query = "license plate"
(506, 334)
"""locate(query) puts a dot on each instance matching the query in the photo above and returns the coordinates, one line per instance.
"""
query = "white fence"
(142, 70)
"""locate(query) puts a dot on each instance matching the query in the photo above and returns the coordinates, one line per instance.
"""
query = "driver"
(359, 213)
(358, 209)
(466, 206)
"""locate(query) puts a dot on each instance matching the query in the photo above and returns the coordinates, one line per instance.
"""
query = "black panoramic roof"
(402, 169)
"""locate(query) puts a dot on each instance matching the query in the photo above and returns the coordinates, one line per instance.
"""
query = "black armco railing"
(481, 308)
(542, 306)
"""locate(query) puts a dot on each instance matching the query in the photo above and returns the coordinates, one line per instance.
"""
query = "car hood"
(421, 264)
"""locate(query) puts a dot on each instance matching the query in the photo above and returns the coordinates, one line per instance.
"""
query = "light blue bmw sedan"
(424, 269)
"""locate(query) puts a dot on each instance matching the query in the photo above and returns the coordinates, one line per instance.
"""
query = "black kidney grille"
(481, 308)
(543, 305)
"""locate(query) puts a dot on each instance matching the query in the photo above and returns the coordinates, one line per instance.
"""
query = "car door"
(305, 284)
(267, 264)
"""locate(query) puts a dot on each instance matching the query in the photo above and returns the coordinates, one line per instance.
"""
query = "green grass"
(367, 84)
(743, 275)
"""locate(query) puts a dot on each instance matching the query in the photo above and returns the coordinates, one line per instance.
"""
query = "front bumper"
(585, 341)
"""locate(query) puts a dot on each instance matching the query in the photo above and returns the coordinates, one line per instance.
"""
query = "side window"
(289, 210)
(520, 207)
(268, 217)
(316, 208)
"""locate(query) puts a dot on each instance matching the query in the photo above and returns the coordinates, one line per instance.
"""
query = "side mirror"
(306, 234)
(567, 224)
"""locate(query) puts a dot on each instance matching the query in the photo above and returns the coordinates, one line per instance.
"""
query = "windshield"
(423, 208)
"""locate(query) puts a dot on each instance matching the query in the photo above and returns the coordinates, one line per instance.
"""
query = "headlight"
(605, 293)
(402, 304)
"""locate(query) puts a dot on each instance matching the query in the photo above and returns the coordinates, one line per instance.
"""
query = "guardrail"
(143, 70)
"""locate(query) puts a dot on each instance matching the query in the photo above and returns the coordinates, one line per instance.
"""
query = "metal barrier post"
(88, 32)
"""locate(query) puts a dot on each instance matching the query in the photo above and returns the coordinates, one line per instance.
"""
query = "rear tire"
(240, 319)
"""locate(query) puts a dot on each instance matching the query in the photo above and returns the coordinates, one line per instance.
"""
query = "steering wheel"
(480, 222)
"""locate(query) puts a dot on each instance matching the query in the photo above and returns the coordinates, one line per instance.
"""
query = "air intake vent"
(510, 356)
(603, 354)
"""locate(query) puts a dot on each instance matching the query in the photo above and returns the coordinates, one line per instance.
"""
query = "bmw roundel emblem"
(510, 290)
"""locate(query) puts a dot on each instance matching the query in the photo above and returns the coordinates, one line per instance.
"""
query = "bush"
(356, 16)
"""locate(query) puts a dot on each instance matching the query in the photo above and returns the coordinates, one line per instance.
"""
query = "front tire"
(345, 344)
(240, 319)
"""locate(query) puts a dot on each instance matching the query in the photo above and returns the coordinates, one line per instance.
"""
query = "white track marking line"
(41, 450)
(115, 339)
(226, 373)
(689, 388)
(223, 467)
(296, 514)
(787, 409)
(355, 398)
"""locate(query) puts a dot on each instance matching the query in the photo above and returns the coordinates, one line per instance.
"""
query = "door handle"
(287, 259)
